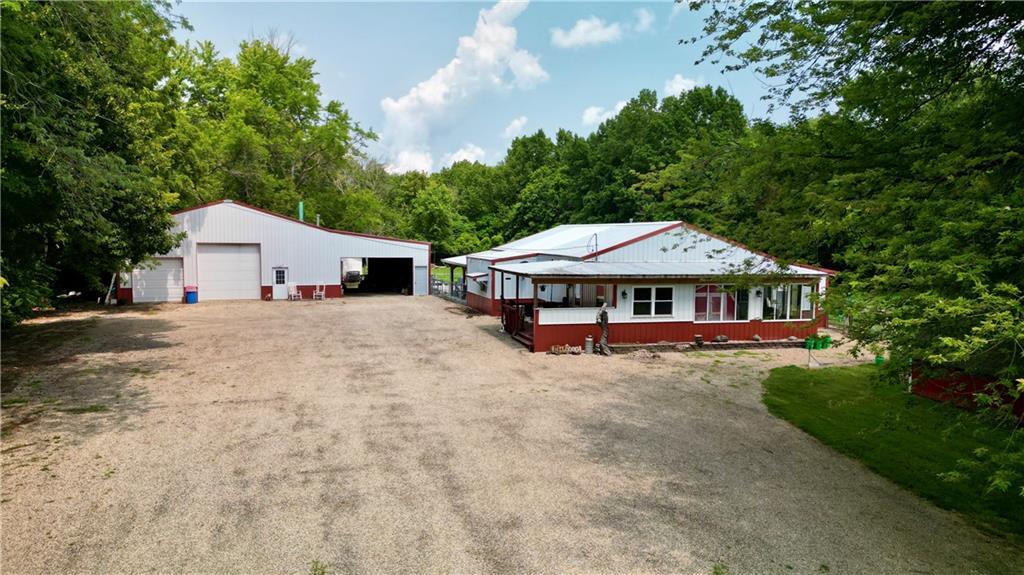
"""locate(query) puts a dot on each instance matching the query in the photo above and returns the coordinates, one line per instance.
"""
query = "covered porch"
(556, 303)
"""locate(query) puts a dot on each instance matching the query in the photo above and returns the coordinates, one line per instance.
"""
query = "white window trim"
(814, 308)
(652, 301)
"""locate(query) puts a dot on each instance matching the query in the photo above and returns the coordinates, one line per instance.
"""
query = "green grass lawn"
(906, 438)
(441, 273)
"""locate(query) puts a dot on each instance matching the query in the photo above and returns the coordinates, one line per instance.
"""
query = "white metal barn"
(235, 251)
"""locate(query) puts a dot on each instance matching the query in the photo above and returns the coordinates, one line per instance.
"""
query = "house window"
(714, 302)
(652, 301)
(280, 276)
(787, 302)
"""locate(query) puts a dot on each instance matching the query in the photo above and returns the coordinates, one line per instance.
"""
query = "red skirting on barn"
(545, 336)
(330, 291)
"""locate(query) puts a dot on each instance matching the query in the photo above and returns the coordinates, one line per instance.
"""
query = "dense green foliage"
(84, 125)
(950, 461)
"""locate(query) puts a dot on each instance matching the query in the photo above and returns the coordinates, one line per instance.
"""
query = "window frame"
(653, 301)
(722, 293)
(786, 305)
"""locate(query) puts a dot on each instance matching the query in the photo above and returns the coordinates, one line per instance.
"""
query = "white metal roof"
(457, 261)
(591, 269)
(574, 240)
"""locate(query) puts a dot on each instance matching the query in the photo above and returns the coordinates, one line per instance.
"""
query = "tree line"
(900, 166)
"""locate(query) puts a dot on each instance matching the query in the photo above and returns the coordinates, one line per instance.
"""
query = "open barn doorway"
(384, 275)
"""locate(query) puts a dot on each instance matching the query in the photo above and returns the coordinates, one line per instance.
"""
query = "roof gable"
(244, 206)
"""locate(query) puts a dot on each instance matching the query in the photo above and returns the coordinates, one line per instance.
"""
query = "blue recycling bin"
(191, 294)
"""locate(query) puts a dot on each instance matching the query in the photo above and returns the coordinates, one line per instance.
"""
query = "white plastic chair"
(318, 291)
(293, 292)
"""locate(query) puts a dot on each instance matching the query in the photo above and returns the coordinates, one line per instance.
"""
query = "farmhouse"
(232, 251)
(661, 281)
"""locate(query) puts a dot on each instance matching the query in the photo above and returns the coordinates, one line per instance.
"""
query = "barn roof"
(246, 206)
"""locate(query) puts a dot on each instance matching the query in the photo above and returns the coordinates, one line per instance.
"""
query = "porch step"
(524, 338)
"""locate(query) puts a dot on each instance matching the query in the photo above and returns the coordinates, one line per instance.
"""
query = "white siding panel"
(682, 309)
(164, 282)
(679, 245)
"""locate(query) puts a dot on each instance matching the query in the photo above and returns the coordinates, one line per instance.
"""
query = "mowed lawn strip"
(905, 438)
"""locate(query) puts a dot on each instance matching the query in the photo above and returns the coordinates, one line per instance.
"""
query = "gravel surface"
(399, 434)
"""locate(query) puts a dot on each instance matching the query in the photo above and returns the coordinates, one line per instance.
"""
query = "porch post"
(517, 288)
(502, 287)
(451, 281)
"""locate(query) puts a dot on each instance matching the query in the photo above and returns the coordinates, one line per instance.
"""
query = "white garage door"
(164, 282)
(229, 271)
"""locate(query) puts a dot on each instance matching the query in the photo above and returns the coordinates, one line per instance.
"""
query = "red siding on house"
(266, 293)
(480, 303)
(545, 336)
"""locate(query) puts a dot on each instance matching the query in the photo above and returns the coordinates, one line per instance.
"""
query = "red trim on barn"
(545, 336)
(330, 291)
(298, 221)
(124, 295)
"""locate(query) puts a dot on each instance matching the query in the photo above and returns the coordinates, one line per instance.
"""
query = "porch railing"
(517, 319)
(447, 290)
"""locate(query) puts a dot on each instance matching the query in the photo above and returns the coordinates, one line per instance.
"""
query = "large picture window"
(653, 301)
(720, 303)
(788, 302)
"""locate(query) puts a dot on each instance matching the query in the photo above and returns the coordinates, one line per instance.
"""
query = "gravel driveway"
(398, 434)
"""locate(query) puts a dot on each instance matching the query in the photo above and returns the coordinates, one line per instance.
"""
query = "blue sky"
(445, 81)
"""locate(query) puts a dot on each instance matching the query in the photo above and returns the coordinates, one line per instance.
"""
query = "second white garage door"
(229, 271)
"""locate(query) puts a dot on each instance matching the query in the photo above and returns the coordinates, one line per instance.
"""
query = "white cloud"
(595, 115)
(487, 60)
(586, 32)
(411, 161)
(678, 8)
(644, 20)
(679, 83)
(514, 128)
(469, 152)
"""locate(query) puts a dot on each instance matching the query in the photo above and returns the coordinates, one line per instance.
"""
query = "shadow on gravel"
(491, 330)
(48, 374)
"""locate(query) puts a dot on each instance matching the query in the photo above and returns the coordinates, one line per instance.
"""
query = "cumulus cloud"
(644, 20)
(595, 115)
(489, 59)
(586, 32)
(514, 128)
(469, 152)
(679, 83)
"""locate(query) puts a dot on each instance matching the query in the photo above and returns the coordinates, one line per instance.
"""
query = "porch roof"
(456, 261)
(589, 270)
